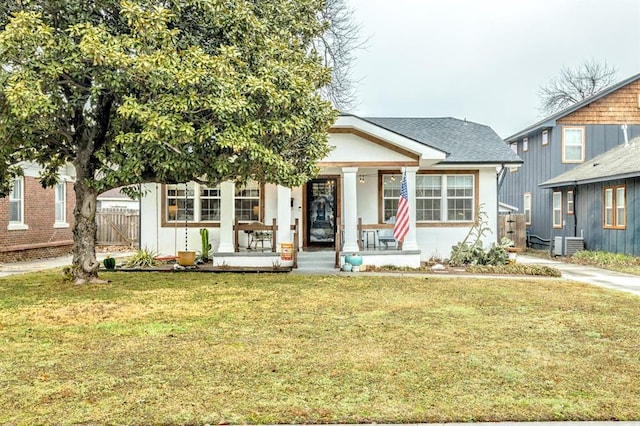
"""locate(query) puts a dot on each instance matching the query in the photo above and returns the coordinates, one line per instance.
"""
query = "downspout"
(575, 209)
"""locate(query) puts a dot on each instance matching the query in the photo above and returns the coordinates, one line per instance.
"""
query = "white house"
(451, 168)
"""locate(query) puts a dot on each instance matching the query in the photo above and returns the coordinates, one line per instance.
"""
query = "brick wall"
(42, 239)
(619, 107)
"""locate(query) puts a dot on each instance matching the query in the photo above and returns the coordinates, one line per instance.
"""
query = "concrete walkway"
(13, 268)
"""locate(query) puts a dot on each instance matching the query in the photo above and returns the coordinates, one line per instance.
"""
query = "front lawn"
(194, 348)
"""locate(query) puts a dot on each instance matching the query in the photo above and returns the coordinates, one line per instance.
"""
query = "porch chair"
(259, 237)
(385, 236)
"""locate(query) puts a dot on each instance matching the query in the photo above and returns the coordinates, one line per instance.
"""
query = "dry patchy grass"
(208, 348)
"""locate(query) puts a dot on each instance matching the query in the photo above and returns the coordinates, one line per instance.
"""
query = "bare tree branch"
(573, 85)
(337, 47)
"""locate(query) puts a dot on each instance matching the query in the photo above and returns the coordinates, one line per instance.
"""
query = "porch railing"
(273, 228)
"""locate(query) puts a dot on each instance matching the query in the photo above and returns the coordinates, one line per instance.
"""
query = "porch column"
(350, 209)
(410, 241)
(227, 212)
(283, 216)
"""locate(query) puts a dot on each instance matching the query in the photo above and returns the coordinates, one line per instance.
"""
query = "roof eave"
(587, 181)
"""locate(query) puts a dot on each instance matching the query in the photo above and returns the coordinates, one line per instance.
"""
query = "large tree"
(572, 85)
(137, 91)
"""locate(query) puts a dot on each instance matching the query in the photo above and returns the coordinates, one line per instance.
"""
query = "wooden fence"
(513, 226)
(118, 227)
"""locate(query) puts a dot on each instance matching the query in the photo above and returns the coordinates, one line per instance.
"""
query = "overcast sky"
(484, 60)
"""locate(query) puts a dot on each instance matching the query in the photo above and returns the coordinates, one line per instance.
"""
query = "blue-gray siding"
(541, 163)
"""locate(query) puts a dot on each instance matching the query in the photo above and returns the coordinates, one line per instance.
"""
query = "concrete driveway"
(590, 275)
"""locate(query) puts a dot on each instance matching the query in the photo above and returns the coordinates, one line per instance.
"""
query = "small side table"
(368, 233)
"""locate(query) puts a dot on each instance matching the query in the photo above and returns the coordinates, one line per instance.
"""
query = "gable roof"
(550, 121)
(620, 162)
(463, 141)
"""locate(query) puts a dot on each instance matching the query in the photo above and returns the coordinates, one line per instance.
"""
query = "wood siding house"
(553, 147)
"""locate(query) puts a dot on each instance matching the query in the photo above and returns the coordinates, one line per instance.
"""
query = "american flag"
(401, 226)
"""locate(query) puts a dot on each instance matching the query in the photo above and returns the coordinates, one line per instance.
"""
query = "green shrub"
(605, 258)
(143, 258)
(517, 269)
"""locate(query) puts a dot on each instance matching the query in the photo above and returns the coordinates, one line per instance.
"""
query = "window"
(459, 198)
(209, 203)
(572, 144)
(514, 147)
(248, 202)
(525, 144)
(428, 197)
(61, 203)
(390, 194)
(201, 203)
(545, 137)
(16, 206)
(557, 209)
(16, 202)
(527, 208)
(180, 202)
(569, 202)
(614, 207)
(439, 198)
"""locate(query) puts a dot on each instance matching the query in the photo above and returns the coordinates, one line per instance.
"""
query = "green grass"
(613, 261)
(193, 348)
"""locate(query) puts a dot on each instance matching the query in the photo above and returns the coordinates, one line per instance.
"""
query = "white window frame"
(60, 194)
(566, 142)
(556, 207)
(525, 144)
(570, 203)
(197, 194)
(545, 137)
(429, 198)
(248, 195)
(527, 207)
(514, 147)
(390, 194)
(614, 207)
(16, 197)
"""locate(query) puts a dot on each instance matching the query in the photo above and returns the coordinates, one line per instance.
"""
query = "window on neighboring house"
(16, 205)
(572, 144)
(525, 144)
(202, 203)
(557, 209)
(514, 147)
(61, 203)
(527, 208)
(439, 198)
(545, 137)
(569, 202)
(614, 211)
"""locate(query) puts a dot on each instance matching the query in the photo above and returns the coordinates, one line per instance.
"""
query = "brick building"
(36, 222)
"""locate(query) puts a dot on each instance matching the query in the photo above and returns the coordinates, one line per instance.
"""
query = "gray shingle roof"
(620, 162)
(463, 141)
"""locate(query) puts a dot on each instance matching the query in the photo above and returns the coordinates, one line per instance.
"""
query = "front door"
(321, 202)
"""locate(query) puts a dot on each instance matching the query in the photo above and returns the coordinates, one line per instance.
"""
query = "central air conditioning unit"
(568, 247)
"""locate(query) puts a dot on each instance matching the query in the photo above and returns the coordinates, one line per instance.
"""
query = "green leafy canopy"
(162, 91)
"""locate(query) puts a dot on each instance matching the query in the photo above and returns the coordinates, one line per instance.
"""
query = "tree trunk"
(85, 265)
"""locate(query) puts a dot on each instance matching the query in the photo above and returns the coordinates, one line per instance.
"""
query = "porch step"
(316, 262)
